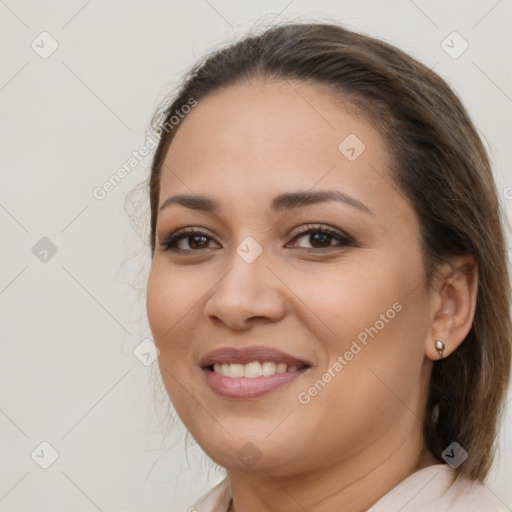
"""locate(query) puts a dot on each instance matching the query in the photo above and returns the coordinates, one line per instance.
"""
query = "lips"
(231, 355)
(250, 387)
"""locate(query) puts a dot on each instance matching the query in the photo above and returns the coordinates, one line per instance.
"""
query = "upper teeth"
(251, 370)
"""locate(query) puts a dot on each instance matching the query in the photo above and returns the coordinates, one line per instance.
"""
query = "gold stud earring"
(440, 348)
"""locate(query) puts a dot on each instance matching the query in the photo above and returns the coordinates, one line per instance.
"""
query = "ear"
(454, 291)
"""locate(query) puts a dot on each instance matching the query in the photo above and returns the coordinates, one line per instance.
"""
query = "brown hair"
(441, 166)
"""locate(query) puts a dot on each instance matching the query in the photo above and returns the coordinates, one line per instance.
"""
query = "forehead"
(256, 140)
(285, 117)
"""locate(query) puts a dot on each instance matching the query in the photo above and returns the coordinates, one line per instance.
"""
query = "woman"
(329, 288)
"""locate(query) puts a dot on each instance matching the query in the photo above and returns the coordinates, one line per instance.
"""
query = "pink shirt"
(430, 489)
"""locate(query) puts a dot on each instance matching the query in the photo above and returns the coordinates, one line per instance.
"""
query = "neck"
(351, 485)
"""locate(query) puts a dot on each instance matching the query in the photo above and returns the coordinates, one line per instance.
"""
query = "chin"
(249, 453)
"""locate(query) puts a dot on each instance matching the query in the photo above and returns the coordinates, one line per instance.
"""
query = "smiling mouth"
(253, 369)
(250, 372)
(252, 380)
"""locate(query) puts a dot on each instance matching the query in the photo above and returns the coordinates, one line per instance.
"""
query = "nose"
(248, 293)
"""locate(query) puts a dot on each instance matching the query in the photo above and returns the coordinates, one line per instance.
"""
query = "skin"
(362, 434)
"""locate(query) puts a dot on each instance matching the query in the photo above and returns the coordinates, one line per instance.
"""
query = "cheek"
(159, 302)
(345, 300)
(377, 381)
(375, 318)
(170, 301)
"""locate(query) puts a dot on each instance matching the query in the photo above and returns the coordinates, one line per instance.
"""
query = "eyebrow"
(282, 202)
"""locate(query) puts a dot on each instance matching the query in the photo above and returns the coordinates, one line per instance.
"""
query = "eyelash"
(169, 242)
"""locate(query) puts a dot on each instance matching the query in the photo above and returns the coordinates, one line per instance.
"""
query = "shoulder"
(217, 499)
(437, 489)
(432, 489)
(467, 496)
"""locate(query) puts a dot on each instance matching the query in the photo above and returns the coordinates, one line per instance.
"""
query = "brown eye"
(319, 240)
(188, 240)
(194, 242)
(321, 237)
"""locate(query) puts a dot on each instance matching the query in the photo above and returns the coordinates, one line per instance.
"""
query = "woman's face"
(347, 305)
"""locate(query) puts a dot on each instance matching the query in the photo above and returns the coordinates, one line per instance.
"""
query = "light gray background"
(70, 324)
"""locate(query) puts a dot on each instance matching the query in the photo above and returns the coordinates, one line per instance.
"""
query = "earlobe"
(440, 346)
(454, 292)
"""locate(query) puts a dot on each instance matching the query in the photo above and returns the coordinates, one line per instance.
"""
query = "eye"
(186, 240)
(321, 237)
